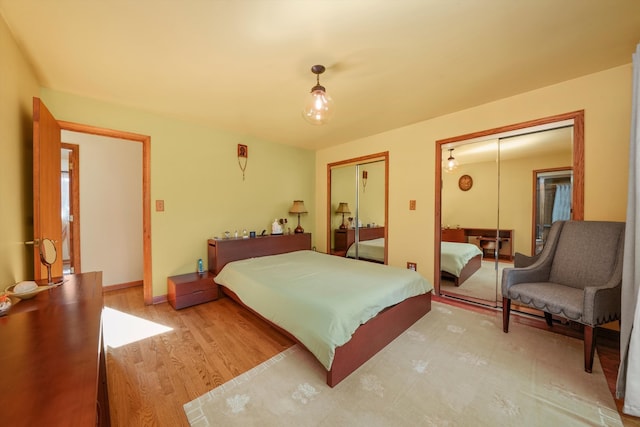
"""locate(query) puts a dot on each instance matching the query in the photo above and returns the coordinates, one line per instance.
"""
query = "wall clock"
(465, 182)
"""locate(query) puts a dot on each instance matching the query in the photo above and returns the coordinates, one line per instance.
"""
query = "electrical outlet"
(412, 205)
(412, 266)
(159, 205)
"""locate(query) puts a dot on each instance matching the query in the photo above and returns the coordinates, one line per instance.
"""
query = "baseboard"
(159, 299)
(118, 286)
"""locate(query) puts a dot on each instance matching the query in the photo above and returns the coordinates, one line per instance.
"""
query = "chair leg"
(589, 347)
(506, 309)
(548, 318)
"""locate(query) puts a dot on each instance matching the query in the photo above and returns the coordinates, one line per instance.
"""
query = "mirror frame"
(355, 161)
(577, 197)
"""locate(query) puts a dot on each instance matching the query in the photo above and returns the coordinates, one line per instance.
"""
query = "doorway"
(145, 140)
(552, 202)
(70, 208)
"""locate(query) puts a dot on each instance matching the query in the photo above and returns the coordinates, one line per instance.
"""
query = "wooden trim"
(384, 155)
(159, 299)
(578, 170)
(119, 286)
(74, 206)
(146, 192)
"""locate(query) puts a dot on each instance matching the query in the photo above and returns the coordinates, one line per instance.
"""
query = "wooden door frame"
(577, 213)
(146, 191)
(74, 203)
(534, 202)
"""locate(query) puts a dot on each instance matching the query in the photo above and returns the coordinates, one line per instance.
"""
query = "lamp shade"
(298, 207)
(318, 106)
(343, 208)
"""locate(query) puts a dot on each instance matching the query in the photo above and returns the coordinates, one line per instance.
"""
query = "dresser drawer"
(190, 289)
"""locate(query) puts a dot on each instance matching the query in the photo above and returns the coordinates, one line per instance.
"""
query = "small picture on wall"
(243, 151)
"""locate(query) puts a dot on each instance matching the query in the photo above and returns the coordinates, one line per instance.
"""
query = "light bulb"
(318, 107)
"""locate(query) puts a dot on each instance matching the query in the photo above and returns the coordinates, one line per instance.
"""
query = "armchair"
(578, 275)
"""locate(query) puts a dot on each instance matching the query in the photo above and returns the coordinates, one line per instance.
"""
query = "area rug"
(482, 284)
(451, 368)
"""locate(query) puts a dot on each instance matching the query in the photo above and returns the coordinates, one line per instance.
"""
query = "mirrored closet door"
(357, 208)
(499, 191)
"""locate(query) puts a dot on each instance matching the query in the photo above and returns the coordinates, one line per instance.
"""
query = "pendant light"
(451, 163)
(318, 106)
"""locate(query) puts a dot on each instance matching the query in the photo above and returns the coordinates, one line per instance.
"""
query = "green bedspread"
(368, 249)
(454, 256)
(320, 299)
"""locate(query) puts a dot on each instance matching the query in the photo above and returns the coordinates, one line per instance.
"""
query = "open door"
(47, 220)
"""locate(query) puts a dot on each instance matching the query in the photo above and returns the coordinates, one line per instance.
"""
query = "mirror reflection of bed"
(368, 247)
(465, 270)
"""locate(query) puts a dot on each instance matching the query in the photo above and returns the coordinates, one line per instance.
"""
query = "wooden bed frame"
(366, 341)
(467, 271)
(457, 235)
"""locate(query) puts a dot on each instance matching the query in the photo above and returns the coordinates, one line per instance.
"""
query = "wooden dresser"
(52, 361)
(487, 239)
(189, 289)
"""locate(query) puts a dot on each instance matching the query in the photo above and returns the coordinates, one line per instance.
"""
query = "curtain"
(561, 203)
(628, 385)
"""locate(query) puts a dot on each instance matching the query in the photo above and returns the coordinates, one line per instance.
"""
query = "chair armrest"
(522, 260)
(513, 276)
(601, 304)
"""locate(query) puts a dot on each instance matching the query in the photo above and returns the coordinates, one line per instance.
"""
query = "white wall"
(110, 206)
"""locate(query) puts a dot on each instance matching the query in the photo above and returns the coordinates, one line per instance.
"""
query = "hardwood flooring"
(149, 380)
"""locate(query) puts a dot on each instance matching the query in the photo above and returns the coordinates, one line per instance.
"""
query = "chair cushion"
(554, 298)
(586, 253)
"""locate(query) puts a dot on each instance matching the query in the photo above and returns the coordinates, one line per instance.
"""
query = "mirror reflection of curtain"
(561, 203)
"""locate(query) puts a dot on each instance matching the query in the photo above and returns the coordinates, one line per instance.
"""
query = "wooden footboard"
(471, 267)
(374, 335)
(369, 338)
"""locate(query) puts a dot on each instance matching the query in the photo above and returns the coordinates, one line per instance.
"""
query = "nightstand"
(190, 289)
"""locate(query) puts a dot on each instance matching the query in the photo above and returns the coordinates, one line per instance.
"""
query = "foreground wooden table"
(52, 369)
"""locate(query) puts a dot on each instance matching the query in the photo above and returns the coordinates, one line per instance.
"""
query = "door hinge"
(70, 218)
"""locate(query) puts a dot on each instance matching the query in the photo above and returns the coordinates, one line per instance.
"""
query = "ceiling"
(244, 65)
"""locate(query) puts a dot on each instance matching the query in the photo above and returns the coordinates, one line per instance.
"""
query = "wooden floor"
(151, 379)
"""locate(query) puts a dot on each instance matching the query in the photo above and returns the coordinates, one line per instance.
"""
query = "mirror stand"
(48, 256)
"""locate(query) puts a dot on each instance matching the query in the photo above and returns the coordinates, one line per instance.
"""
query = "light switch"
(159, 205)
(412, 205)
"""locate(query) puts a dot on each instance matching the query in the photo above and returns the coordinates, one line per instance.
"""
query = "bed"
(458, 259)
(368, 250)
(244, 281)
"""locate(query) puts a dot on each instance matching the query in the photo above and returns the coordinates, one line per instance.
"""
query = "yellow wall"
(18, 84)
(606, 99)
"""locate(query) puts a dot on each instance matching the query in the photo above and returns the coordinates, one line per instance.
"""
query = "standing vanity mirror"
(48, 256)
(357, 206)
(498, 191)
